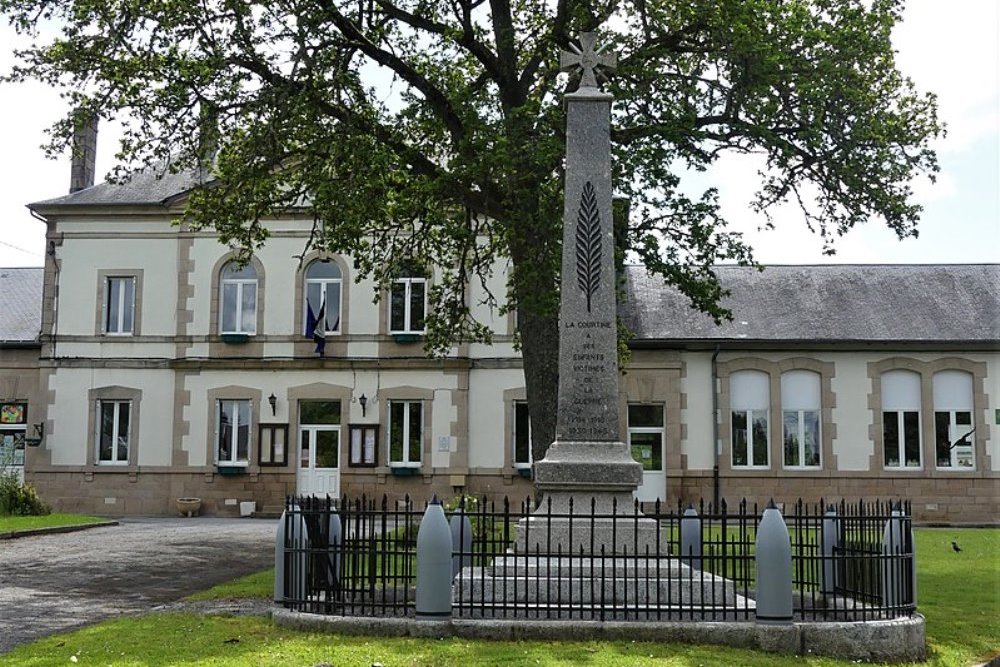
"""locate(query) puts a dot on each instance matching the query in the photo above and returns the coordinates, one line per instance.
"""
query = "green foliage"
(459, 162)
(14, 524)
(434, 132)
(256, 585)
(19, 499)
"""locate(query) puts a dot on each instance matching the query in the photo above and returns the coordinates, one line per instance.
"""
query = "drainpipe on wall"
(715, 427)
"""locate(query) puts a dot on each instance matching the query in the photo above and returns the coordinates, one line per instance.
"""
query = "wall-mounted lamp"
(273, 401)
(39, 429)
(363, 400)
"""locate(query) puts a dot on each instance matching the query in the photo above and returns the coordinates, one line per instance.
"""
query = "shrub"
(19, 499)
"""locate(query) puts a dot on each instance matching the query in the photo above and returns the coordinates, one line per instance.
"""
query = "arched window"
(239, 299)
(901, 419)
(953, 425)
(750, 397)
(800, 418)
(324, 281)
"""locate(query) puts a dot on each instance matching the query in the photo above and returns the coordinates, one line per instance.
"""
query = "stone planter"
(189, 506)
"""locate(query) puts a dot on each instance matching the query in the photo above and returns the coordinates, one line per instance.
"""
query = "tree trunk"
(540, 352)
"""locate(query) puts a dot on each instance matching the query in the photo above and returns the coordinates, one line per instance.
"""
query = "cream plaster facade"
(175, 368)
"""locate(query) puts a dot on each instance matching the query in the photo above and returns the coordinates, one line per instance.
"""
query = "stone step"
(478, 584)
(556, 566)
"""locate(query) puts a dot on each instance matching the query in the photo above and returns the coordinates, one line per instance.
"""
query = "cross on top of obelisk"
(587, 60)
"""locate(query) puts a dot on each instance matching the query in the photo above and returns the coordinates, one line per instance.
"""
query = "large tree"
(432, 131)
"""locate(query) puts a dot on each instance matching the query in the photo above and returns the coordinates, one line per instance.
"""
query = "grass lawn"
(10, 524)
(959, 594)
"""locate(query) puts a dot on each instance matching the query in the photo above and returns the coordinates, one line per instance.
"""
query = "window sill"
(234, 338)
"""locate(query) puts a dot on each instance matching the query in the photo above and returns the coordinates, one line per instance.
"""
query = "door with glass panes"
(319, 448)
(645, 438)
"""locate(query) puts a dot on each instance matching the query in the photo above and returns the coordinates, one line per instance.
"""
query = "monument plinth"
(588, 461)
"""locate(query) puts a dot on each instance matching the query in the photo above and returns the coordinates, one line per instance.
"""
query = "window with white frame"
(750, 393)
(324, 281)
(238, 299)
(113, 431)
(408, 303)
(645, 435)
(521, 435)
(901, 420)
(232, 432)
(800, 419)
(119, 305)
(406, 420)
(953, 427)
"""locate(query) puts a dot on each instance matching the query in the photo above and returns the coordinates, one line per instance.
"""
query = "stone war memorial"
(587, 561)
(588, 461)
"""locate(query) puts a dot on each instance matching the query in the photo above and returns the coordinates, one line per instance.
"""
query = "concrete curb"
(55, 530)
(900, 640)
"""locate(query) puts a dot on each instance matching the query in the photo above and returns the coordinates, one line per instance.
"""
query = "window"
(113, 419)
(645, 435)
(119, 305)
(901, 419)
(323, 285)
(239, 299)
(364, 446)
(800, 418)
(953, 426)
(751, 391)
(408, 303)
(233, 432)
(522, 435)
(405, 433)
(13, 423)
(272, 445)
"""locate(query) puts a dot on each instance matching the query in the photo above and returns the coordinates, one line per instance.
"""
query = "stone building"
(164, 369)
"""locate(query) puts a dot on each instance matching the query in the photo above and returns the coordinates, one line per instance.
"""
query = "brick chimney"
(84, 154)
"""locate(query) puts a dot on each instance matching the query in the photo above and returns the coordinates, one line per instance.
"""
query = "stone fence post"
(899, 584)
(290, 555)
(774, 568)
(461, 540)
(433, 599)
(831, 542)
(691, 537)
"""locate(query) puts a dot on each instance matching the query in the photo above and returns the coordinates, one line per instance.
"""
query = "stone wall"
(971, 500)
(154, 493)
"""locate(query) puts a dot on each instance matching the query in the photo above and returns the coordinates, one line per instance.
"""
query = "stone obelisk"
(588, 460)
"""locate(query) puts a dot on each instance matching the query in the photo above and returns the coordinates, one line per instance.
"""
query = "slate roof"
(864, 303)
(21, 314)
(150, 186)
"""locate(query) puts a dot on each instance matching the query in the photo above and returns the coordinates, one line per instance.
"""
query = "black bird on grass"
(955, 547)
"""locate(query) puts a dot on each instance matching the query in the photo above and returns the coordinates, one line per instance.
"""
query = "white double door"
(319, 469)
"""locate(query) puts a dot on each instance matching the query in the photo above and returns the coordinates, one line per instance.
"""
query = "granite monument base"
(588, 507)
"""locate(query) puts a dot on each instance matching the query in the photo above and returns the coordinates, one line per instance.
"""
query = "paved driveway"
(51, 583)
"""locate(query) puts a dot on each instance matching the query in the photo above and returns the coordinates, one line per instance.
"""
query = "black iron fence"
(358, 557)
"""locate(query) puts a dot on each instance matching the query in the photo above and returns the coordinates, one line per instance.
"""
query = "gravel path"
(52, 583)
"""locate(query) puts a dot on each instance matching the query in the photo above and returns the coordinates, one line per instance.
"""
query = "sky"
(949, 47)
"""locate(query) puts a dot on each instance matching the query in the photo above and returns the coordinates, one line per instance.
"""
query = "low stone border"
(54, 530)
(900, 640)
